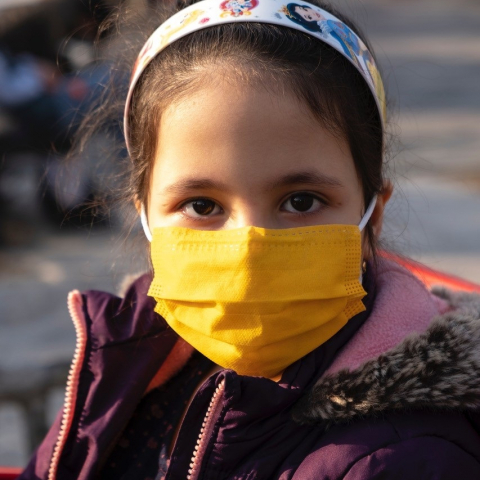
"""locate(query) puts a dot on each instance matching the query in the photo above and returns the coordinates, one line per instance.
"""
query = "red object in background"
(426, 275)
(431, 277)
(8, 473)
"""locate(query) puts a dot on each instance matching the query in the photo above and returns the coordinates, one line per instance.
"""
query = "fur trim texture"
(437, 369)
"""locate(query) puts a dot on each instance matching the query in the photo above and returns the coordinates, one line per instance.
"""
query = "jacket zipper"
(75, 309)
(206, 431)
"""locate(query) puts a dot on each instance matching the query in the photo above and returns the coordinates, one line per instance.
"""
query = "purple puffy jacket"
(394, 395)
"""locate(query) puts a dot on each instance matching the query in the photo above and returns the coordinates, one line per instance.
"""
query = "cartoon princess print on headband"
(236, 8)
(360, 51)
(312, 20)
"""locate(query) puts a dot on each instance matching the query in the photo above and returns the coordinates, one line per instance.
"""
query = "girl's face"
(231, 156)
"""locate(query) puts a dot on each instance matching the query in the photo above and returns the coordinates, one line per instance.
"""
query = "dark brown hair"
(276, 57)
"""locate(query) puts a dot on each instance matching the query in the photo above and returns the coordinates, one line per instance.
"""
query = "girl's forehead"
(246, 135)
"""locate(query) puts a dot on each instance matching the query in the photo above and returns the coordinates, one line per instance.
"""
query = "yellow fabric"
(256, 300)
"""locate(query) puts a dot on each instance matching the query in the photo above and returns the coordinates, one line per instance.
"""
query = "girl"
(270, 341)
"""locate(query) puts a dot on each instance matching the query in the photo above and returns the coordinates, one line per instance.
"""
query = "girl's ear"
(138, 205)
(377, 216)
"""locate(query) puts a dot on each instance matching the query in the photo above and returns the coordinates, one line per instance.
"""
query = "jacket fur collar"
(438, 368)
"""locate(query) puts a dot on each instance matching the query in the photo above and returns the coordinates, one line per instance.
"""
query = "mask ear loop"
(144, 220)
(368, 213)
(363, 223)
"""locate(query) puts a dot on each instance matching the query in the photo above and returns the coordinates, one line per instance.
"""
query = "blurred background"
(50, 73)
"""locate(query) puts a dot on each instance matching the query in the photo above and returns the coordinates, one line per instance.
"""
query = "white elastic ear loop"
(363, 222)
(368, 213)
(143, 219)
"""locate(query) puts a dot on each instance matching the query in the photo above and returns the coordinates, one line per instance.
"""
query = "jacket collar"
(438, 369)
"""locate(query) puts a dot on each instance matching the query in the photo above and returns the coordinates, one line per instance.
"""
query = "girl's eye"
(302, 202)
(201, 207)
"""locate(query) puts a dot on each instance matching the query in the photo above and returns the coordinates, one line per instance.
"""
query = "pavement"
(430, 55)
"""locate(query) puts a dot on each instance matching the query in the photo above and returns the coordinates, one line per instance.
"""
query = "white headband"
(298, 15)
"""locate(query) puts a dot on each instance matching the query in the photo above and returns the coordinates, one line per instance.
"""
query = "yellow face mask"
(256, 300)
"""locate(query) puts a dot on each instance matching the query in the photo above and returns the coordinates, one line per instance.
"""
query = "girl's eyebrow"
(188, 184)
(306, 177)
(315, 179)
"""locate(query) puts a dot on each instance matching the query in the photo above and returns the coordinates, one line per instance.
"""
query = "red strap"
(10, 473)
(431, 277)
